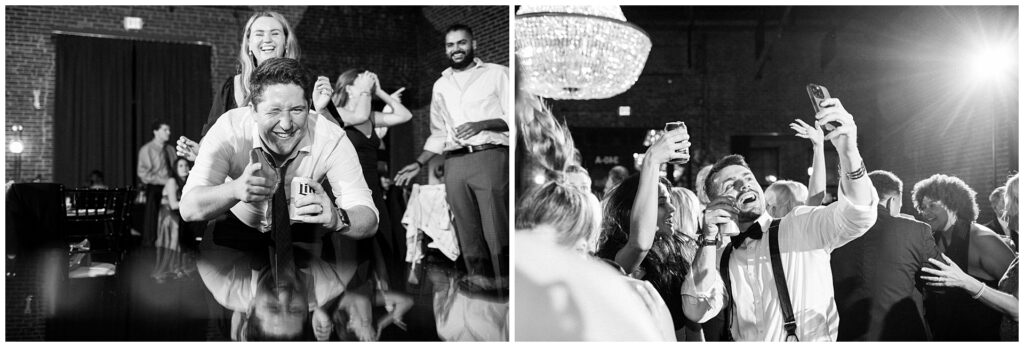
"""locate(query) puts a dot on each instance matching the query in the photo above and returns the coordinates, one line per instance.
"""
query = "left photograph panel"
(251, 173)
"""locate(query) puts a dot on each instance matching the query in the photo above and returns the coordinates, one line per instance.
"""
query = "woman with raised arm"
(639, 237)
(816, 185)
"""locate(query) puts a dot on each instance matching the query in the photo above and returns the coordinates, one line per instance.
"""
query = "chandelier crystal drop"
(579, 52)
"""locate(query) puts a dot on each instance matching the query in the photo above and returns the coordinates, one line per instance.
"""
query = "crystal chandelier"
(579, 52)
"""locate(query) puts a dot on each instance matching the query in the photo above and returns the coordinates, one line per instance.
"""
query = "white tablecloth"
(428, 212)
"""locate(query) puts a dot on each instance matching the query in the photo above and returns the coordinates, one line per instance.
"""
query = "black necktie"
(280, 229)
(753, 232)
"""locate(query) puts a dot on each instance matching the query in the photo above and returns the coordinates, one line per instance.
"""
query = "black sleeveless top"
(951, 313)
(391, 240)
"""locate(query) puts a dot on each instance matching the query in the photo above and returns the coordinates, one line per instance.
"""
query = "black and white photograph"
(766, 173)
(257, 173)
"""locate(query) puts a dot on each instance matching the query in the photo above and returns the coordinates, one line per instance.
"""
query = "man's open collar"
(449, 71)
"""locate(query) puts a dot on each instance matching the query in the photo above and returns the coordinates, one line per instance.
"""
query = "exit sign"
(133, 23)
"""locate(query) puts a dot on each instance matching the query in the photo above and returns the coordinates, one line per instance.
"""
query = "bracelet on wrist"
(858, 173)
(703, 240)
(980, 292)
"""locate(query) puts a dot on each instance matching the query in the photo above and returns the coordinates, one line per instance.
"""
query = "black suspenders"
(780, 285)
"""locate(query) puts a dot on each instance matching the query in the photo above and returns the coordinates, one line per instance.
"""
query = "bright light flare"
(17, 147)
(539, 179)
(989, 64)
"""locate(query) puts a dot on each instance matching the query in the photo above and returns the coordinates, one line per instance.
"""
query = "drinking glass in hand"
(685, 151)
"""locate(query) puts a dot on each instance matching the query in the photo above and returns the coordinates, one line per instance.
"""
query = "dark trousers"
(477, 192)
(149, 223)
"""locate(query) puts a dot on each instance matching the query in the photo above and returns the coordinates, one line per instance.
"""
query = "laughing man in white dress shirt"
(807, 237)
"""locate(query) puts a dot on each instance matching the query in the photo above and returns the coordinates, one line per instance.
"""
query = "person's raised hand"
(720, 217)
(668, 147)
(813, 133)
(322, 92)
(843, 136)
(187, 149)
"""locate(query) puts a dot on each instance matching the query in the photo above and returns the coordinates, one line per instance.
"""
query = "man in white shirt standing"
(806, 237)
(469, 125)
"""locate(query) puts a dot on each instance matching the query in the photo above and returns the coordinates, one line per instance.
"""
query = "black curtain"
(109, 91)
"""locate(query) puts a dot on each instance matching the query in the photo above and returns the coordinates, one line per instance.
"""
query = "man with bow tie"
(806, 237)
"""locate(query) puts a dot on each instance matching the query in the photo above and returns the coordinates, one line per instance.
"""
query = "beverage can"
(298, 188)
(686, 151)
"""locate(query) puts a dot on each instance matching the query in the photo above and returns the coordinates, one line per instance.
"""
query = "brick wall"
(404, 45)
(490, 27)
(884, 70)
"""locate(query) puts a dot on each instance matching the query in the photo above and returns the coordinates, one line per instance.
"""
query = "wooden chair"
(102, 216)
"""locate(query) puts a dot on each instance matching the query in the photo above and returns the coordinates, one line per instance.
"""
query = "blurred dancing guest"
(805, 238)
(354, 90)
(639, 237)
(688, 213)
(263, 148)
(154, 169)
(562, 212)
(1007, 299)
(947, 204)
(814, 192)
(469, 125)
(266, 35)
(783, 196)
(997, 224)
(171, 260)
(615, 176)
(875, 276)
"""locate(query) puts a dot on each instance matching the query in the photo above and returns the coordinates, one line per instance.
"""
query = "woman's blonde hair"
(1010, 212)
(574, 213)
(688, 211)
(248, 61)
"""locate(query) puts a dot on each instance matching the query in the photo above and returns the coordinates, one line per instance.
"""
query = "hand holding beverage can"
(685, 151)
(299, 187)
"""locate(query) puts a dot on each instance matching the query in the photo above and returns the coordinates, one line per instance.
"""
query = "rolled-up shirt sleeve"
(503, 98)
(709, 299)
(346, 178)
(213, 160)
(438, 133)
(832, 226)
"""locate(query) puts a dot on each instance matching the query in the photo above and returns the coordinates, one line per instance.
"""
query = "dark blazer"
(876, 277)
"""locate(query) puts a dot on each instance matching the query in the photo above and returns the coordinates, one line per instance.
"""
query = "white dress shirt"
(807, 237)
(231, 280)
(324, 151)
(483, 96)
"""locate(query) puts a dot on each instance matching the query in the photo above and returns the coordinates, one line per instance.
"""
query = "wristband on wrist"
(420, 163)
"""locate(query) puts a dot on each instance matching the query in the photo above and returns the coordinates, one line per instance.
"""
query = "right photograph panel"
(774, 173)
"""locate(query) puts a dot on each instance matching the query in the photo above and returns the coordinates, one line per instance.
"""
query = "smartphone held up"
(817, 94)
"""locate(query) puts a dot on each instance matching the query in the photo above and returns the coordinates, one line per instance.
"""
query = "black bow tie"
(753, 232)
